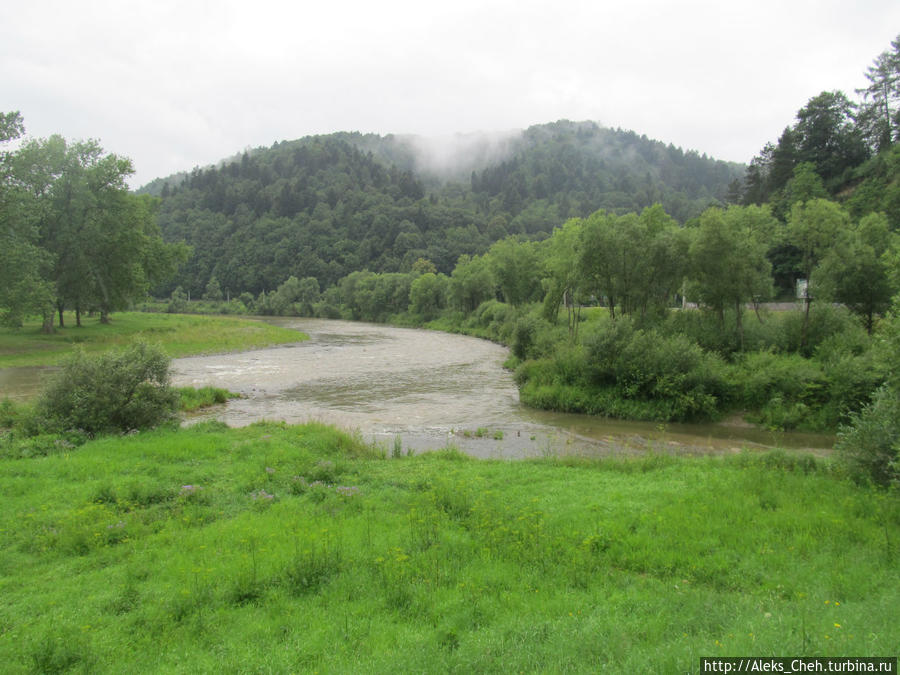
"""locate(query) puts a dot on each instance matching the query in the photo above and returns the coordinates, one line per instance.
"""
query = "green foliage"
(870, 445)
(178, 302)
(328, 206)
(857, 271)
(645, 365)
(782, 388)
(192, 398)
(73, 235)
(622, 371)
(877, 117)
(471, 283)
(180, 335)
(514, 264)
(553, 565)
(635, 264)
(294, 297)
(368, 296)
(113, 391)
(428, 295)
(728, 267)
(24, 263)
(213, 291)
(524, 335)
(825, 322)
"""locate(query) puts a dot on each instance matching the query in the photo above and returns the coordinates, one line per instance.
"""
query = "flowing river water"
(423, 390)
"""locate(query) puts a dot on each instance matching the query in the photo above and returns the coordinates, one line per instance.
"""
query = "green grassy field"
(179, 334)
(301, 549)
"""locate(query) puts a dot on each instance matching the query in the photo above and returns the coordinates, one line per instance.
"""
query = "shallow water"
(430, 389)
(427, 388)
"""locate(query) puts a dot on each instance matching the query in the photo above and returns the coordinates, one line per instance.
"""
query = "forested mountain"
(325, 206)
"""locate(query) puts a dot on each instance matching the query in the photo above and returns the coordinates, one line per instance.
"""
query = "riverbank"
(180, 335)
(301, 549)
(428, 388)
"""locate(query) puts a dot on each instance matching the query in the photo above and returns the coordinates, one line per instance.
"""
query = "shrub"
(178, 302)
(825, 322)
(763, 375)
(524, 335)
(869, 447)
(675, 374)
(113, 391)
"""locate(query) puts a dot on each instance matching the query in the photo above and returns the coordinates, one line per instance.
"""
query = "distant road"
(774, 306)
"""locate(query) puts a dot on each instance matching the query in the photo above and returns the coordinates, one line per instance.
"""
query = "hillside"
(324, 206)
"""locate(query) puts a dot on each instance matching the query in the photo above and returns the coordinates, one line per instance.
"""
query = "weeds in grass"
(56, 653)
(548, 565)
(315, 561)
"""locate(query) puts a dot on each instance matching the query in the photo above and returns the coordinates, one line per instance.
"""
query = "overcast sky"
(177, 84)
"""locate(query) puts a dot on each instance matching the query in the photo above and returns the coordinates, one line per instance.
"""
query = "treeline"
(71, 234)
(590, 313)
(327, 206)
(850, 145)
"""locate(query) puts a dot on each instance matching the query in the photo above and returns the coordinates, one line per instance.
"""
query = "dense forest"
(326, 206)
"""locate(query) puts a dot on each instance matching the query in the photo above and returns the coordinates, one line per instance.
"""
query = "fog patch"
(454, 156)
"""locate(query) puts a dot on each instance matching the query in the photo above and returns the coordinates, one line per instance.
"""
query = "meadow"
(178, 334)
(279, 548)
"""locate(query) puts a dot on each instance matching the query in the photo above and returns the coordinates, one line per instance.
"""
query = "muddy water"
(430, 389)
(425, 388)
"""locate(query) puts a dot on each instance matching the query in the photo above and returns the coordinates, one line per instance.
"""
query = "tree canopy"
(74, 236)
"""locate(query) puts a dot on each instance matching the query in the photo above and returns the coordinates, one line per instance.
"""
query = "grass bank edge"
(179, 334)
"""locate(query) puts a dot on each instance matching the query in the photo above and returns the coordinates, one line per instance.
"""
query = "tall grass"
(302, 549)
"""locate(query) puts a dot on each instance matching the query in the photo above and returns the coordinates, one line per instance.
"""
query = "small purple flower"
(188, 490)
(347, 490)
(262, 495)
(270, 470)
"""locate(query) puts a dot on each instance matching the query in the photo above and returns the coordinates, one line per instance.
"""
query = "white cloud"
(178, 84)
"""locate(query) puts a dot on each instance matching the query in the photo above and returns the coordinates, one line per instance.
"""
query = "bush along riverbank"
(304, 549)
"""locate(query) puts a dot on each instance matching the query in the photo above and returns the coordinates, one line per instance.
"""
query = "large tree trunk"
(59, 308)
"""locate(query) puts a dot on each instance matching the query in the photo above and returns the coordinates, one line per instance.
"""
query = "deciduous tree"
(857, 272)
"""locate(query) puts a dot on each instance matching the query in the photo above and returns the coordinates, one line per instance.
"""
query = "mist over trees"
(327, 206)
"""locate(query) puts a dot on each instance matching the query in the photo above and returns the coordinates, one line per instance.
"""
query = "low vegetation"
(303, 549)
(178, 335)
(194, 398)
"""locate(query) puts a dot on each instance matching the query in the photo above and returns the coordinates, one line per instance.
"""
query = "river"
(430, 389)
(427, 389)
